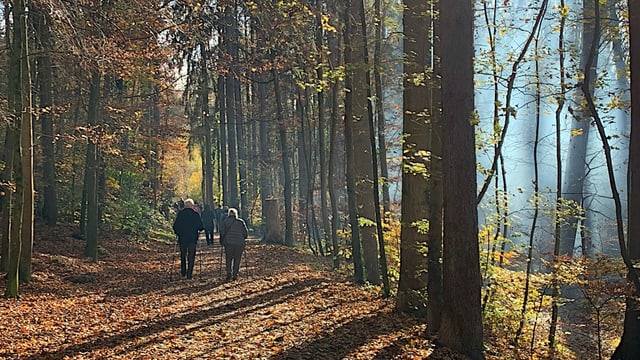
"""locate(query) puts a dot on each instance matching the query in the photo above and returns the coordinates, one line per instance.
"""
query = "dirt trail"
(132, 304)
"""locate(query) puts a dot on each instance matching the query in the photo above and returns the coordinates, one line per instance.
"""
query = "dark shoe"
(189, 277)
(234, 278)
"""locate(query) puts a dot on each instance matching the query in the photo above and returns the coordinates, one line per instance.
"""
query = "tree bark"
(412, 284)
(207, 158)
(286, 165)
(42, 21)
(379, 96)
(435, 186)
(91, 169)
(27, 157)
(629, 346)
(356, 245)
(461, 327)
(19, 98)
(574, 177)
(360, 119)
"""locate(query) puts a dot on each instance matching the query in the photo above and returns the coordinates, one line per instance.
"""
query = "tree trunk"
(207, 158)
(461, 328)
(233, 115)
(19, 98)
(379, 96)
(224, 179)
(349, 83)
(273, 229)
(42, 21)
(412, 284)
(558, 115)
(574, 177)
(232, 169)
(27, 158)
(7, 195)
(435, 191)
(322, 130)
(91, 167)
(286, 166)
(360, 120)
(335, 58)
(629, 346)
(241, 143)
(266, 191)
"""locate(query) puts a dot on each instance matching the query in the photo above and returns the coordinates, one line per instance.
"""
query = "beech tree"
(415, 173)
(629, 346)
(20, 233)
(461, 327)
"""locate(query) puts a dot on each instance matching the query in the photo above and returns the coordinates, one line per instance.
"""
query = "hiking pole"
(246, 262)
(173, 261)
(200, 256)
(220, 262)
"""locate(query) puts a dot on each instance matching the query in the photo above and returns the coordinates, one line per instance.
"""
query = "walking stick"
(200, 256)
(220, 262)
(173, 261)
(246, 262)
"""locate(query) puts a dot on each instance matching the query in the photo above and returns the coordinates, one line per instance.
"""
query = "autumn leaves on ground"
(132, 304)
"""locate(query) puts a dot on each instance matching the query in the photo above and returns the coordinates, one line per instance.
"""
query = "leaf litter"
(286, 304)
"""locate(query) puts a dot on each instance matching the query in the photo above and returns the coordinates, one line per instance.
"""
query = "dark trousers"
(187, 258)
(208, 234)
(233, 256)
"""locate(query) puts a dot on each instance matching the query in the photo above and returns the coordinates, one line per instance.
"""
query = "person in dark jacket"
(187, 226)
(207, 217)
(233, 234)
(218, 213)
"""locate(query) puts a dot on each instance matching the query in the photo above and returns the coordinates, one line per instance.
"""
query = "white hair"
(189, 203)
(233, 212)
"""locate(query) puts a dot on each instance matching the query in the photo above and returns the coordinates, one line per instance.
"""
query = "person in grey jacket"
(233, 234)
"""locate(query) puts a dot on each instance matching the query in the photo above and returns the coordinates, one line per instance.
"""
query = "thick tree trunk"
(360, 120)
(273, 228)
(349, 83)
(629, 346)
(435, 188)
(461, 327)
(20, 99)
(412, 285)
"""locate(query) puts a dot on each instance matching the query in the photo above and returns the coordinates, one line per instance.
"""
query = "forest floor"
(133, 304)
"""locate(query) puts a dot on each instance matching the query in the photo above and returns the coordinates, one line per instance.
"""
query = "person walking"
(207, 217)
(233, 234)
(187, 226)
(218, 213)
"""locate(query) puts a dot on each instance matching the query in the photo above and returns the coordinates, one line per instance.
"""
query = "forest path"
(132, 304)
